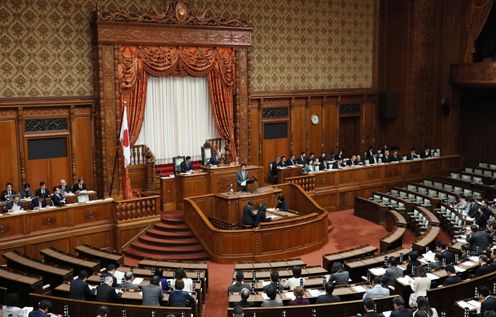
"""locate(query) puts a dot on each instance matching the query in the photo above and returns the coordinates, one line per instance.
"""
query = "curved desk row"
(278, 239)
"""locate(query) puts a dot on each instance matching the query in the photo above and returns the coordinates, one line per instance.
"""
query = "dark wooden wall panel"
(315, 130)
(82, 137)
(329, 124)
(9, 168)
(298, 126)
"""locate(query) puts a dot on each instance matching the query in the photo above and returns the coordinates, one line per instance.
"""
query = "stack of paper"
(377, 271)
(359, 289)
(314, 292)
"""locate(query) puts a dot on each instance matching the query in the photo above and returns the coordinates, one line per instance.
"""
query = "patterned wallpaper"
(45, 45)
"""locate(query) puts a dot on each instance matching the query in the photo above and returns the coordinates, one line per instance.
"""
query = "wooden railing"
(307, 182)
(141, 155)
(137, 208)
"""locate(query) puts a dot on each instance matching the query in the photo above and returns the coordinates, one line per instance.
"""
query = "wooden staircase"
(169, 239)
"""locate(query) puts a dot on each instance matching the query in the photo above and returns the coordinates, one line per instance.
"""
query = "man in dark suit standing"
(399, 308)
(105, 292)
(242, 178)
(186, 165)
(57, 199)
(42, 192)
(79, 289)
(477, 239)
(79, 186)
(8, 193)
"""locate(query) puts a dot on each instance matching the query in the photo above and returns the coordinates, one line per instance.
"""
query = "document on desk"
(359, 289)
(314, 292)
(377, 271)
(405, 280)
(119, 275)
(290, 295)
(463, 304)
(137, 280)
(459, 269)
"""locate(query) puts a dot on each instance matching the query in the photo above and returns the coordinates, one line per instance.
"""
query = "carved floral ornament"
(177, 12)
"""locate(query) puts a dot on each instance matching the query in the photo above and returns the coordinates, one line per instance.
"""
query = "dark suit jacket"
(335, 165)
(10, 204)
(410, 157)
(180, 299)
(478, 240)
(483, 270)
(45, 194)
(152, 295)
(323, 165)
(488, 304)
(240, 179)
(291, 162)
(213, 160)
(448, 256)
(58, 200)
(452, 280)
(402, 312)
(75, 188)
(373, 160)
(279, 287)
(425, 155)
(386, 159)
(340, 278)
(237, 287)
(105, 293)
(114, 279)
(372, 314)
(248, 217)
(327, 298)
(37, 313)
(36, 203)
(5, 193)
(282, 206)
(185, 167)
(79, 289)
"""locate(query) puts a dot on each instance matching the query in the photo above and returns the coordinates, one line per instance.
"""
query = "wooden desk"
(105, 258)
(51, 274)
(66, 227)
(370, 210)
(210, 180)
(269, 265)
(428, 239)
(272, 240)
(342, 256)
(58, 257)
(287, 172)
(20, 282)
(337, 189)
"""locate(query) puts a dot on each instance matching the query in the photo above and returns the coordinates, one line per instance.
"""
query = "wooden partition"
(272, 240)
(337, 189)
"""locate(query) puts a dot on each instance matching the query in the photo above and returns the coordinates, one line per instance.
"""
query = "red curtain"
(136, 62)
(477, 17)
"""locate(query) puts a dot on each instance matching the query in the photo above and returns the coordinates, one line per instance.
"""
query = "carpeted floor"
(343, 236)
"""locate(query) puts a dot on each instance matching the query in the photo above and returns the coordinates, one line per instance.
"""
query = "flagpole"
(116, 152)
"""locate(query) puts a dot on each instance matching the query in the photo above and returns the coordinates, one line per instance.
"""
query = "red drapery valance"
(137, 62)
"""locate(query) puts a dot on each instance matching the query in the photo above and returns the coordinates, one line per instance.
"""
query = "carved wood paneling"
(474, 75)
(242, 103)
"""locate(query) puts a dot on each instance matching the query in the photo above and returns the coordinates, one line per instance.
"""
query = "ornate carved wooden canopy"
(175, 25)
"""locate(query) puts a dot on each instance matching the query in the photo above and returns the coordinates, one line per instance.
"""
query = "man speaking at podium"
(242, 178)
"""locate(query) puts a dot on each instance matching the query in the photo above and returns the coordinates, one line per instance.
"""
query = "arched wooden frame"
(120, 28)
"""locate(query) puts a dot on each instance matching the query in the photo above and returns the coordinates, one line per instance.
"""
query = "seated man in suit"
(283, 161)
(452, 277)
(105, 292)
(79, 186)
(64, 188)
(44, 308)
(8, 193)
(369, 306)
(338, 164)
(179, 297)
(303, 158)
(110, 271)
(359, 160)
(57, 199)
(153, 293)
(392, 272)
(13, 205)
(426, 153)
(323, 165)
(328, 297)
(370, 153)
(373, 159)
(296, 280)
(291, 161)
(242, 178)
(254, 217)
(272, 300)
(395, 157)
(274, 283)
(338, 275)
(281, 204)
(412, 155)
(128, 284)
(399, 308)
(488, 301)
(38, 203)
(42, 192)
(386, 158)
(244, 294)
(79, 289)
(273, 168)
(26, 191)
(238, 284)
(186, 165)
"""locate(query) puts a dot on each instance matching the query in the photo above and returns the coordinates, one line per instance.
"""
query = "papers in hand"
(137, 280)
(119, 275)
(429, 256)
(265, 296)
(243, 183)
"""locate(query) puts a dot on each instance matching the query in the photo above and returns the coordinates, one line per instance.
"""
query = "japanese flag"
(124, 138)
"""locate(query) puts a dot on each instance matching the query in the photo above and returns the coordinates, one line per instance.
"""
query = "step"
(169, 234)
(171, 227)
(167, 242)
(173, 221)
(160, 249)
(194, 256)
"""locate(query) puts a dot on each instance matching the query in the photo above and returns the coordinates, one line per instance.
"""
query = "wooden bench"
(393, 240)
(283, 274)
(359, 267)
(427, 240)
(370, 210)
(269, 265)
(20, 282)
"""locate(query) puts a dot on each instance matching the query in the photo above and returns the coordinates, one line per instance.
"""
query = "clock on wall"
(314, 118)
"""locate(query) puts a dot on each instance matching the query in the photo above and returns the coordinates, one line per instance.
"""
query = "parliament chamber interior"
(173, 158)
